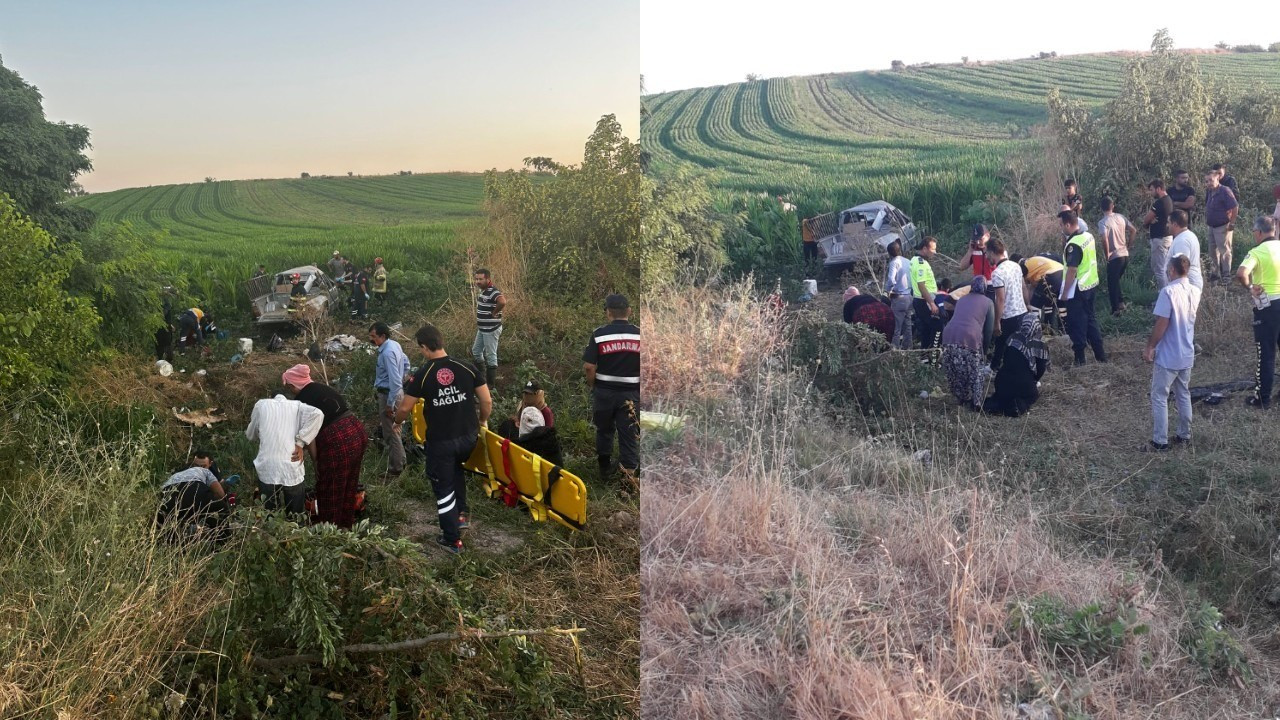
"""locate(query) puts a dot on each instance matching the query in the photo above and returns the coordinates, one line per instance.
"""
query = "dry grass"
(795, 569)
(92, 609)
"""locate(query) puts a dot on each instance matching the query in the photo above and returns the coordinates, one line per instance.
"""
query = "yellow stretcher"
(550, 492)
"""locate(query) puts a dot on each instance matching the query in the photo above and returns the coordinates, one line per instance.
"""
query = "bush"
(1211, 647)
(1274, 47)
(45, 330)
(1086, 634)
(122, 277)
(1248, 49)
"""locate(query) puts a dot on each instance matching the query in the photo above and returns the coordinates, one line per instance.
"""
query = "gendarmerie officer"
(612, 365)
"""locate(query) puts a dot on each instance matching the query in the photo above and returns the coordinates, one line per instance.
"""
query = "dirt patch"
(480, 537)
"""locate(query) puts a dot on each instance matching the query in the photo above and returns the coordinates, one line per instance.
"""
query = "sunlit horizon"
(239, 91)
(698, 44)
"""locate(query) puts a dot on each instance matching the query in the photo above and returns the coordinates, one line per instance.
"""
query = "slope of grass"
(927, 139)
(821, 541)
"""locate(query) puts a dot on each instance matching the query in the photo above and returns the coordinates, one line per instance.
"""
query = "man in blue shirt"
(388, 381)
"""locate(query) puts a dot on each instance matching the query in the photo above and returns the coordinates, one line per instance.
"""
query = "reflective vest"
(1265, 270)
(380, 279)
(1087, 273)
(921, 270)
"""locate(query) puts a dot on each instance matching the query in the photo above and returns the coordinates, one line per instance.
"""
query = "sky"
(177, 91)
(697, 43)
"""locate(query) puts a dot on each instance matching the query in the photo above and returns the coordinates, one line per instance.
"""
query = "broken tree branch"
(414, 644)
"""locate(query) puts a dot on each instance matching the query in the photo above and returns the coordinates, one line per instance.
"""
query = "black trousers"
(928, 326)
(810, 252)
(292, 498)
(1082, 325)
(1007, 327)
(1266, 335)
(359, 303)
(186, 506)
(617, 411)
(449, 480)
(164, 344)
(1115, 271)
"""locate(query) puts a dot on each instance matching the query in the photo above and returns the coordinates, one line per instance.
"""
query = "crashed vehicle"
(861, 233)
(276, 300)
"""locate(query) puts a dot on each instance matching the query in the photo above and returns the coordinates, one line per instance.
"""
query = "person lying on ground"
(1026, 358)
(964, 344)
(192, 501)
(870, 311)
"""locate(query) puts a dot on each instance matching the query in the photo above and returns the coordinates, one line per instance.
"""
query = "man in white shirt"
(897, 285)
(1009, 298)
(1171, 349)
(1186, 243)
(283, 427)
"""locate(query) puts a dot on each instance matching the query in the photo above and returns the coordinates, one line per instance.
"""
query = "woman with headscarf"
(338, 450)
(964, 344)
(868, 310)
(1026, 358)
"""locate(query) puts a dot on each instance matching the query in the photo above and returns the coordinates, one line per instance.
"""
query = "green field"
(225, 228)
(928, 139)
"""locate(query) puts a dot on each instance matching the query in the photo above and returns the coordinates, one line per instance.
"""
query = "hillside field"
(225, 228)
(928, 139)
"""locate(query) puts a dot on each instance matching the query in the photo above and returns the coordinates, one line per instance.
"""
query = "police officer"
(1260, 273)
(612, 366)
(453, 392)
(1080, 287)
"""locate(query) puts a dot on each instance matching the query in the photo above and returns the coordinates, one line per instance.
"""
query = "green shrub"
(1086, 634)
(1212, 647)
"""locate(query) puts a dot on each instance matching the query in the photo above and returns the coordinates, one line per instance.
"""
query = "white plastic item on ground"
(338, 343)
(660, 421)
(164, 368)
(811, 287)
(246, 346)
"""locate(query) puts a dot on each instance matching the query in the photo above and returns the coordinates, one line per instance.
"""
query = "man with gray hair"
(1260, 273)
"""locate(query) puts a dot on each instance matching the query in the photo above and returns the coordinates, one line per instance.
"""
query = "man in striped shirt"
(489, 305)
(612, 365)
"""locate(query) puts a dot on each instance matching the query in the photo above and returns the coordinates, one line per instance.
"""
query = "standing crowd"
(456, 400)
(990, 331)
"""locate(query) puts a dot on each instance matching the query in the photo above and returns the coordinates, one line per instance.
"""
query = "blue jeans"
(485, 349)
(1164, 380)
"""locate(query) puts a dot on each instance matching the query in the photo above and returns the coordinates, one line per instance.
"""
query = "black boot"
(604, 461)
(491, 376)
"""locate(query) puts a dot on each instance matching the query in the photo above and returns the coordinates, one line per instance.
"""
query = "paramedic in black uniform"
(457, 405)
(612, 366)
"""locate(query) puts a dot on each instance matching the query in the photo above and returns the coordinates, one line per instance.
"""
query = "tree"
(120, 274)
(39, 159)
(45, 330)
(964, 59)
(752, 77)
(581, 230)
(1223, 45)
(898, 65)
(541, 163)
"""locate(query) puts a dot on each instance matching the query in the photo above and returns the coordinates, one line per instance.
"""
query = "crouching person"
(1026, 358)
(1171, 350)
(193, 502)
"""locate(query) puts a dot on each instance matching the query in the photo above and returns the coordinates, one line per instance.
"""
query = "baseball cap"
(979, 231)
(616, 302)
(531, 387)
(336, 253)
